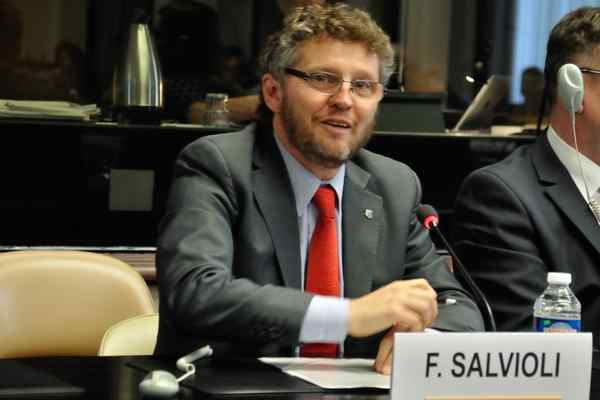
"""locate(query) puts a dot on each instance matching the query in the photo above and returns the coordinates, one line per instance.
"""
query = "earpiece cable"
(595, 209)
(191, 370)
(593, 204)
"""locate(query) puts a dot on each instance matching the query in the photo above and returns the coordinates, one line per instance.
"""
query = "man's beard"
(314, 148)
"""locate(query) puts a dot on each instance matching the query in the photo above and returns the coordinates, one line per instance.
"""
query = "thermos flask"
(137, 81)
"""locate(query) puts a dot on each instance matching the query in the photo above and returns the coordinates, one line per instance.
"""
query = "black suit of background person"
(189, 45)
(243, 101)
(229, 260)
(523, 217)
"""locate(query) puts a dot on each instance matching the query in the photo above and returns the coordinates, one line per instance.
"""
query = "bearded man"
(288, 237)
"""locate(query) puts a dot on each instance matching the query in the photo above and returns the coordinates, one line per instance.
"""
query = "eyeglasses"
(585, 70)
(330, 84)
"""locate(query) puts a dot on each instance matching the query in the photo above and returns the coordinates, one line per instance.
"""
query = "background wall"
(427, 45)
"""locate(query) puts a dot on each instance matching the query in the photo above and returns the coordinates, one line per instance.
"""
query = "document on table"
(47, 109)
(332, 373)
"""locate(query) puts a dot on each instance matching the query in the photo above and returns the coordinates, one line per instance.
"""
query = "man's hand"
(241, 109)
(408, 306)
(405, 306)
(383, 362)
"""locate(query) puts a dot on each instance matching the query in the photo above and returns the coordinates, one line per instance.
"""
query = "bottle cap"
(559, 278)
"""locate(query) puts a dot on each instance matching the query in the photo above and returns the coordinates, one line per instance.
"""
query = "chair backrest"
(134, 336)
(62, 302)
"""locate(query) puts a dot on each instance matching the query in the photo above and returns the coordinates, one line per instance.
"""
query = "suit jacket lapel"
(362, 213)
(563, 192)
(275, 198)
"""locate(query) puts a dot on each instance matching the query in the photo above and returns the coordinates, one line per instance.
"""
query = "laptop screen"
(480, 112)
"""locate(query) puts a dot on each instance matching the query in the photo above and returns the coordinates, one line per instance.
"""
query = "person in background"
(67, 72)
(234, 79)
(19, 80)
(242, 107)
(234, 73)
(288, 236)
(528, 215)
(532, 89)
(190, 47)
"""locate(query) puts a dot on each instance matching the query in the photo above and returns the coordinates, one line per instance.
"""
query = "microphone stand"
(488, 316)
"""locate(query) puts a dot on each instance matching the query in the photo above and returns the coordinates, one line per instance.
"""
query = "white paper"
(332, 373)
(46, 109)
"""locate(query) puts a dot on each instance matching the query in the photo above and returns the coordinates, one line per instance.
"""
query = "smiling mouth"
(338, 124)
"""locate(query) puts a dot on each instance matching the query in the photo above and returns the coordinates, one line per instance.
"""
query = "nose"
(343, 98)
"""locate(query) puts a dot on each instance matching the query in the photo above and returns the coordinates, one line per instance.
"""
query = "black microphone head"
(427, 216)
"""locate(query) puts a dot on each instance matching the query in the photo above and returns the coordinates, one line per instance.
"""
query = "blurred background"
(67, 49)
(105, 182)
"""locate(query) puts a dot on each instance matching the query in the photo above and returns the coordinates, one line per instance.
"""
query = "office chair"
(134, 336)
(60, 303)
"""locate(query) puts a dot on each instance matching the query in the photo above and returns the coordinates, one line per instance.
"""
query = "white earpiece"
(570, 87)
(164, 384)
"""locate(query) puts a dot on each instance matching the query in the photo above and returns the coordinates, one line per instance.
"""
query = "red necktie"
(322, 271)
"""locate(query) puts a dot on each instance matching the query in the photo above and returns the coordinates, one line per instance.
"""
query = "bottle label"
(556, 325)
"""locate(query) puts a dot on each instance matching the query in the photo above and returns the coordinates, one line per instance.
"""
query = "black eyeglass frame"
(308, 77)
(586, 70)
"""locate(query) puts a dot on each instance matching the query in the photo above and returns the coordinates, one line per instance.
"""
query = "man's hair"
(312, 22)
(577, 34)
(533, 72)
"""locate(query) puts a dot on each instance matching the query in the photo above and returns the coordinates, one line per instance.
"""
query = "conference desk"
(117, 378)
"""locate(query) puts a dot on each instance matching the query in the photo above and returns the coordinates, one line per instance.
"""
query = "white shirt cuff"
(326, 320)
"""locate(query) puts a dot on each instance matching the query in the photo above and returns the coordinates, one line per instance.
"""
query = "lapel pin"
(368, 213)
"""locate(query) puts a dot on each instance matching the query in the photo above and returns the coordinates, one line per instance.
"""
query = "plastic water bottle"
(557, 309)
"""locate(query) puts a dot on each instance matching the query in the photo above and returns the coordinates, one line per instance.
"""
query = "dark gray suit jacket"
(228, 252)
(519, 219)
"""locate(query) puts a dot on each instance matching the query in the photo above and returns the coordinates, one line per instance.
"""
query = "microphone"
(428, 217)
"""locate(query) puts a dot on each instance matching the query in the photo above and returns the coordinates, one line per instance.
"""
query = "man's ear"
(272, 92)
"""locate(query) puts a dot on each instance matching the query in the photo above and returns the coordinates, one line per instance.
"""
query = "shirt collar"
(305, 184)
(568, 157)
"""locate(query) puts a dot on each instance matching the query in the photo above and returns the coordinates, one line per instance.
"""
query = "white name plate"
(455, 366)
